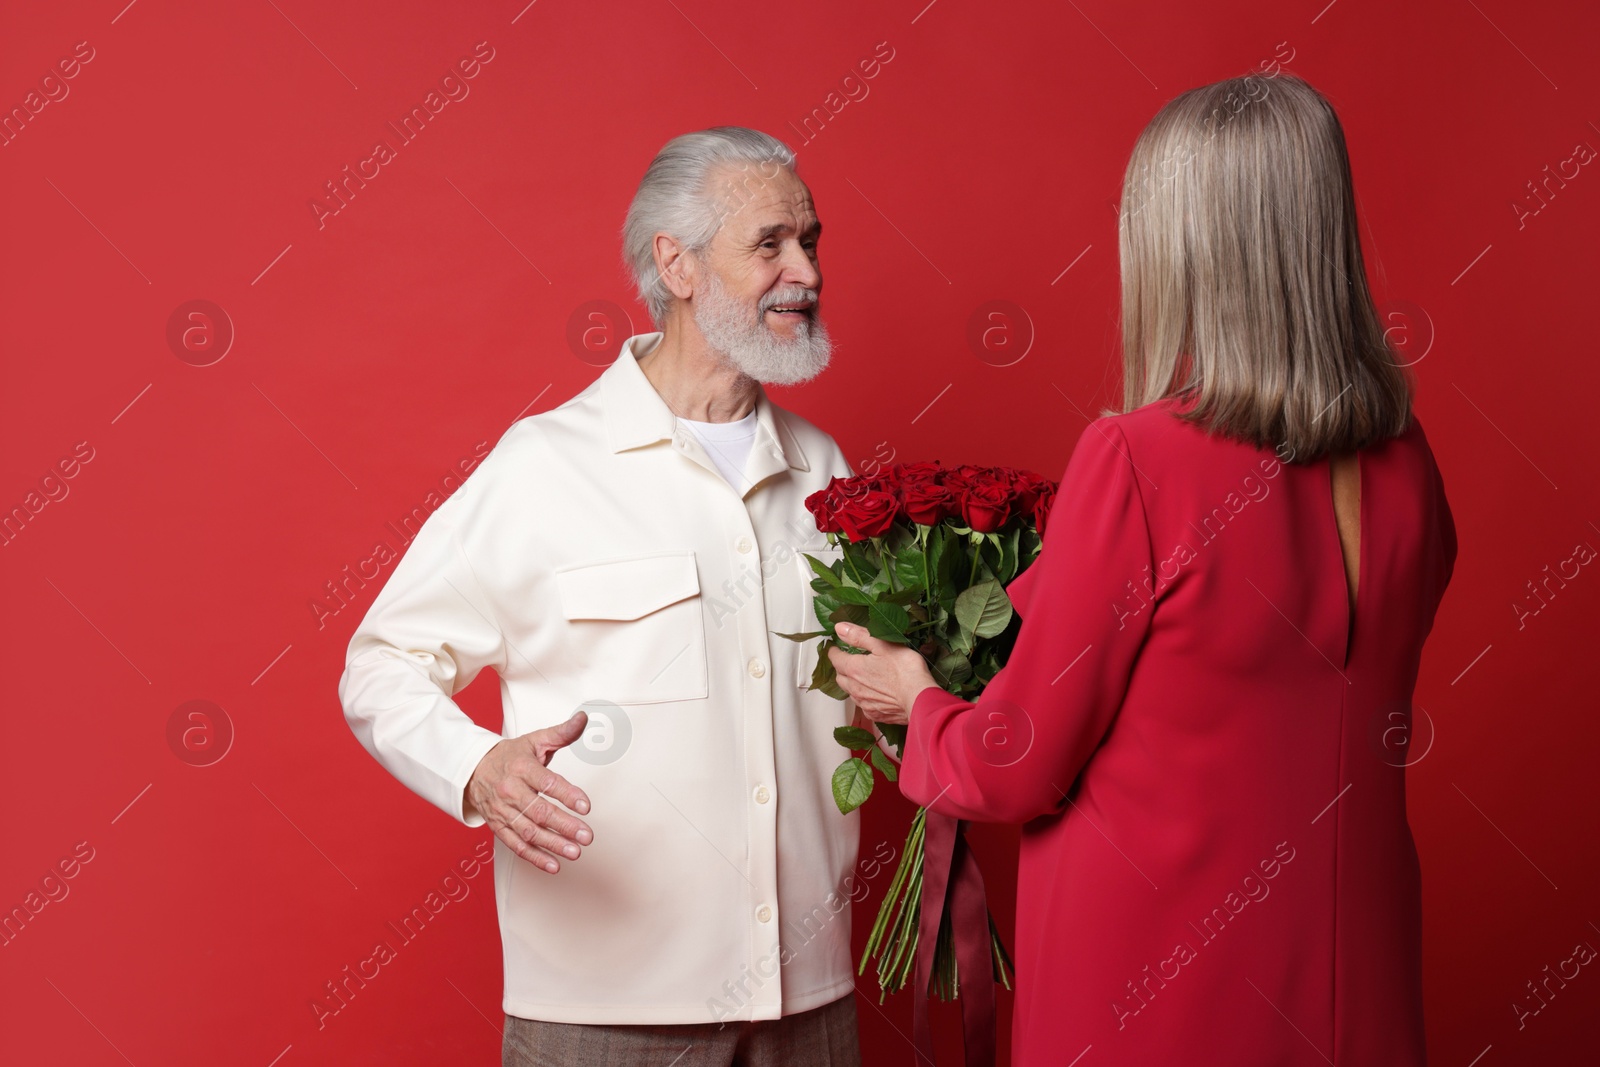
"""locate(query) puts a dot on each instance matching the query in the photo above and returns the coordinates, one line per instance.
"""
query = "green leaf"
(856, 613)
(901, 537)
(823, 677)
(952, 668)
(852, 784)
(939, 557)
(888, 622)
(1028, 546)
(884, 764)
(860, 563)
(824, 603)
(801, 637)
(853, 737)
(1009, 543)
(908, 568)
(823, 571)
(984, 609)
(851, 595)
(895, 734)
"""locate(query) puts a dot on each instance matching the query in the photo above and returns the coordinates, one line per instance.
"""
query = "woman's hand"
(885, 681)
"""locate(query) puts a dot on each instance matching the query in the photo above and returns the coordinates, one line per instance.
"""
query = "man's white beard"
(751, 345)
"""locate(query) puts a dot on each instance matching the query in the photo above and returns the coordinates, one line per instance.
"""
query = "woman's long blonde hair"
(1243, 284)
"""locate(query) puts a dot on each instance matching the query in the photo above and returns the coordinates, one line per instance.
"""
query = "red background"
(374, 351)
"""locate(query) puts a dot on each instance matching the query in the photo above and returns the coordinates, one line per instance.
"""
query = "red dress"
(1207, 751)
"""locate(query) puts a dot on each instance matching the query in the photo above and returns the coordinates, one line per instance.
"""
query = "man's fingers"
(520, 800)
(545, 812)
(536, 856)
(552, 784)
(539, 836)
(538, 821)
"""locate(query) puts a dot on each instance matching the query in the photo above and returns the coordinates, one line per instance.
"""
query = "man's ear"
(675, 265)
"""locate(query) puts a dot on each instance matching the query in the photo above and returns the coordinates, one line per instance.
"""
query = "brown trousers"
(821, 1037)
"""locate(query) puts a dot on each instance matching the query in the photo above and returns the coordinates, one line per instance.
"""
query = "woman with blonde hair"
(1203, 724)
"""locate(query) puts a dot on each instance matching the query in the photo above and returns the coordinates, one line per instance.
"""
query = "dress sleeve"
(1013, 754)
(425, 638)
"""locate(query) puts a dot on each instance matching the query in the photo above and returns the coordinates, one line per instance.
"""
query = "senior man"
(672, 877)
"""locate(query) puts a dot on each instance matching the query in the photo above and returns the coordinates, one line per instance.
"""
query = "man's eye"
(769, 244)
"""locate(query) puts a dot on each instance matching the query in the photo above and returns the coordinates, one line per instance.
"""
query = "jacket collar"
(636, 415)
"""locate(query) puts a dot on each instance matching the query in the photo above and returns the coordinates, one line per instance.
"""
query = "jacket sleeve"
(1447, 528)
(425, 638)
(1015, 753)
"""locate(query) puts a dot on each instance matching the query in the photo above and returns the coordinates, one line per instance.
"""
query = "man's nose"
(801, 270)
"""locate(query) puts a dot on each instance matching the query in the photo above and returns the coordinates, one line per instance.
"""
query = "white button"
(757, 668)
(764, 913)
(762, 796)
(743, 544)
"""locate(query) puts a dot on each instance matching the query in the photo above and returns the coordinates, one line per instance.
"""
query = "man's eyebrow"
(815, 230)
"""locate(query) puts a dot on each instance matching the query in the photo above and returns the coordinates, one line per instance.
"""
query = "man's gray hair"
(676, 197)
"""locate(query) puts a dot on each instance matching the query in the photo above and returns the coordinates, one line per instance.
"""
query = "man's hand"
(506, 789)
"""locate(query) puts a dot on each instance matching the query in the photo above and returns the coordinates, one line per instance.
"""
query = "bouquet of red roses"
(926, 553)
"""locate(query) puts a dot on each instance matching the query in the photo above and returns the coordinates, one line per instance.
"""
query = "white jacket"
(596, 558)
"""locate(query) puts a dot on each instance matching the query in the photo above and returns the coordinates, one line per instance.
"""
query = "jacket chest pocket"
(806, 615)
(636, 627)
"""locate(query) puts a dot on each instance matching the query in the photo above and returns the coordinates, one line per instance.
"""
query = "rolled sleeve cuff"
(472, 755)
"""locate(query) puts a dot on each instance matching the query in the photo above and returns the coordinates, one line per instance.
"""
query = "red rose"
(986, 505)
(1042, 505)
(927, 470)
(1027, 486)
(824, 506)
(868, 515)
(995, 477)
(928, 502)
(966, 474)
(858, 486)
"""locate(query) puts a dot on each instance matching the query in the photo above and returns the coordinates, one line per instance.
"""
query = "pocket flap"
(626, 588)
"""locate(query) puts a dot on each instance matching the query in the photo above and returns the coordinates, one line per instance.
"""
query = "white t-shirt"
(727, 443)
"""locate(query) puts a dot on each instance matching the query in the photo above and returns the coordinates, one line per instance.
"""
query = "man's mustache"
(788, 297)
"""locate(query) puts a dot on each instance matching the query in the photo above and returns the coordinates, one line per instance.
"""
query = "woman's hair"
(677, 196)
(1243, 286)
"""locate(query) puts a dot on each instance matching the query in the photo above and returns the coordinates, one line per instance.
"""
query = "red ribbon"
(945, 851)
